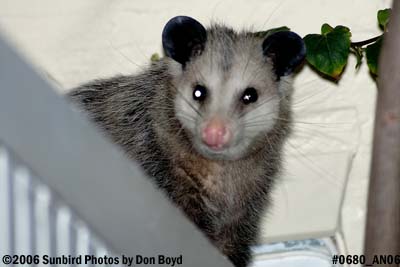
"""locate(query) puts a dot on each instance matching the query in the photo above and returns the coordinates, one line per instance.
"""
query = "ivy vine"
(328, 52)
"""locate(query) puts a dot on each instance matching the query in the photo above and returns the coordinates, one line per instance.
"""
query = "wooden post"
(383, 218)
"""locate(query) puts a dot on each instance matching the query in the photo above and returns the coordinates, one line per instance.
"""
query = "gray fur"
(226, 195)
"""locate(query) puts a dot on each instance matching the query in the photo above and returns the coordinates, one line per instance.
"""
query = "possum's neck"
(223, 182)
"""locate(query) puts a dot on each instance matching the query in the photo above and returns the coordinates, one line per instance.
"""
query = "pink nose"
(215, 134)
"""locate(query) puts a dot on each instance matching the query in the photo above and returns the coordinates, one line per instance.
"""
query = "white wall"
(75, 41)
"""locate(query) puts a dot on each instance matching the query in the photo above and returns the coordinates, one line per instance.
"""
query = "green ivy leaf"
(326, 28)
(328, 52)
(383, 17)
(155, 57)
(372, 53)
(264, 34)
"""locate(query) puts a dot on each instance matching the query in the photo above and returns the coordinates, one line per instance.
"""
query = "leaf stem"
(362, 43)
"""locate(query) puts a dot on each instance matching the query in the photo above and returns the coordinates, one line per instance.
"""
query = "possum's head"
(228, 86)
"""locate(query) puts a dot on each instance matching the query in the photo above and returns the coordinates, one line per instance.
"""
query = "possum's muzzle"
(216, 133)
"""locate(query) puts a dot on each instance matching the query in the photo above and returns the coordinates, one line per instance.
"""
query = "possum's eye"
(249, 96)
(199, 93)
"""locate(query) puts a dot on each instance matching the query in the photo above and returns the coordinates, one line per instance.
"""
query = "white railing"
(57, 171)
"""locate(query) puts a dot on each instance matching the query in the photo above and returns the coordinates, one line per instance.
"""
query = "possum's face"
(228, 86)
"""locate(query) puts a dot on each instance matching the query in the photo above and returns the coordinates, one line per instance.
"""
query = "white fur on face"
(224, 90)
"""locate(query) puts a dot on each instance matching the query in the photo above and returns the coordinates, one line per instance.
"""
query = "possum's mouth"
(216, 148)
(232, 152)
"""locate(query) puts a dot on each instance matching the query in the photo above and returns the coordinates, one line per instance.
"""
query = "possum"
(207, 123)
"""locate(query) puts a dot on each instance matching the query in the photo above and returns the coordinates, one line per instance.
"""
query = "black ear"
(287, 51)
(182, 38)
